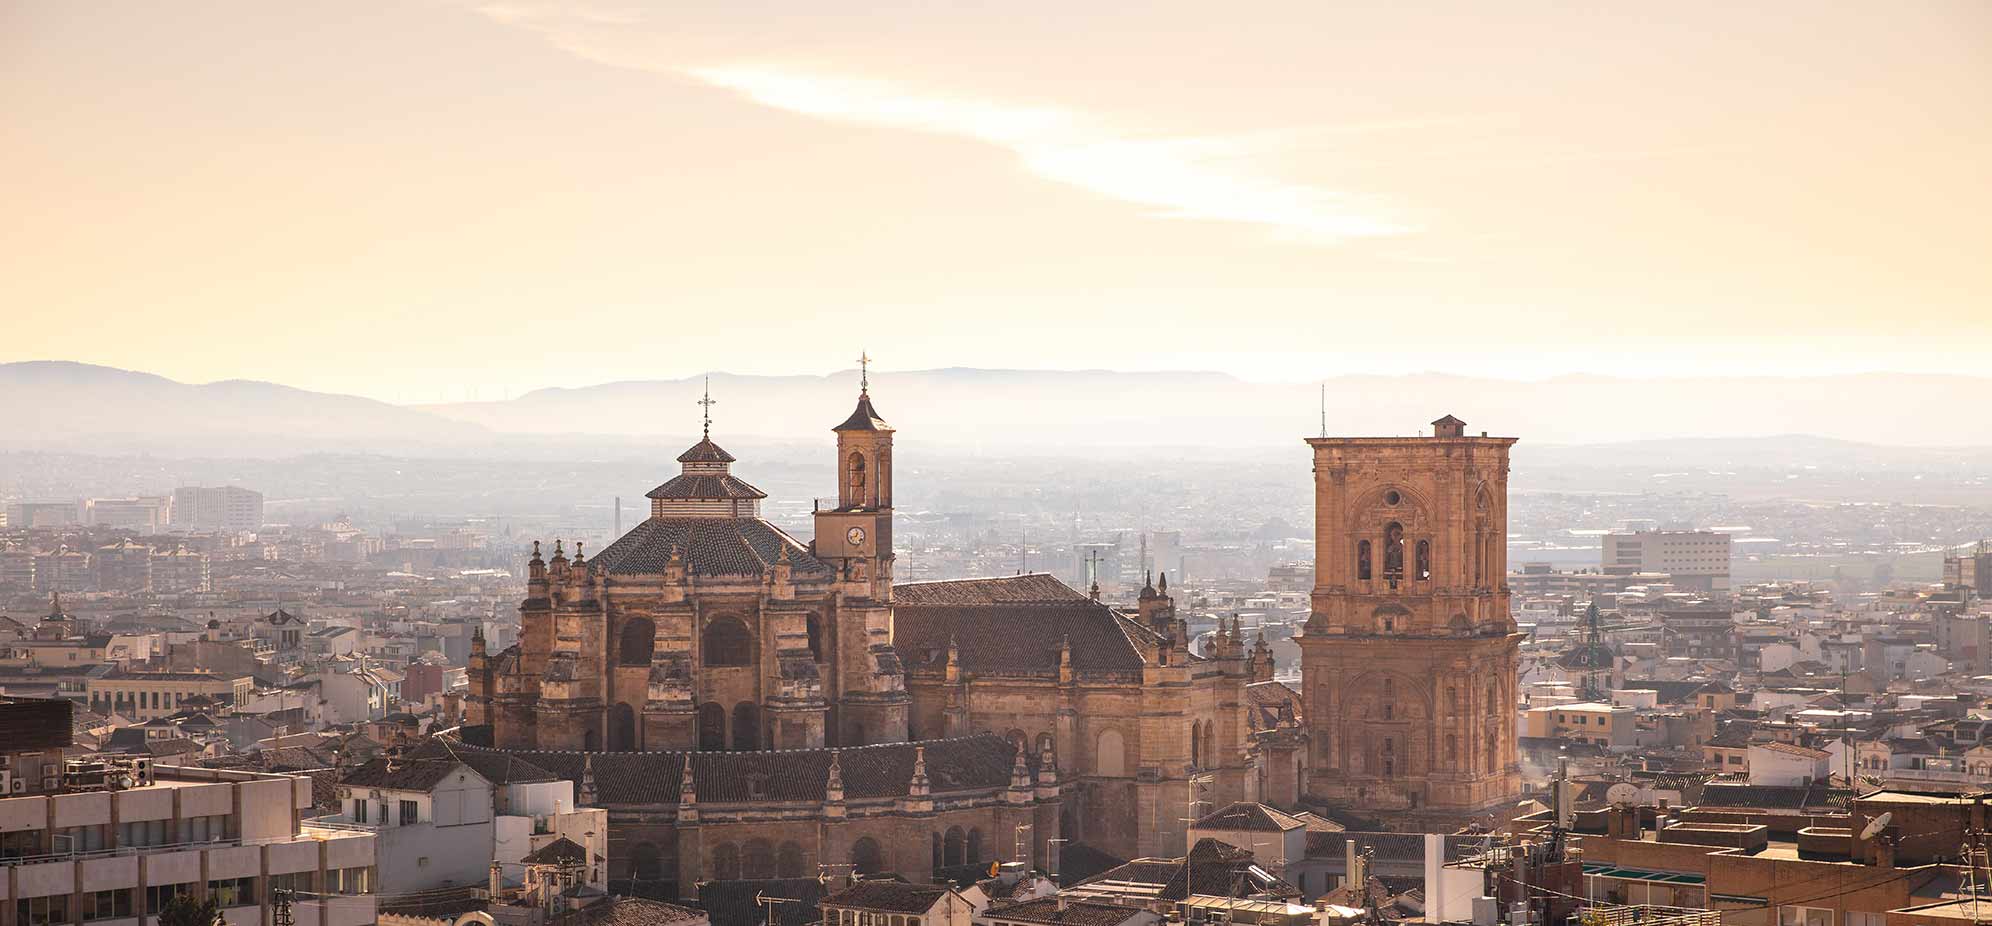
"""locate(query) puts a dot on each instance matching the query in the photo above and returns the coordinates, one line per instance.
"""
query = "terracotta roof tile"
(712, 546)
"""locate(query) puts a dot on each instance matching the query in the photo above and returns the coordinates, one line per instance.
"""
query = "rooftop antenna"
(864, 373)
(1324, 410)
(707, 402)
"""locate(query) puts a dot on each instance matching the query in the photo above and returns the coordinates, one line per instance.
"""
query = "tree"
(184, 910)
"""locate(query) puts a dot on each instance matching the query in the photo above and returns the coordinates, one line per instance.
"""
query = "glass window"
(233, 892)
(350, 880)
(407, 813)
(38, 911)
(107, 905)
(297, 882)
(157, 896)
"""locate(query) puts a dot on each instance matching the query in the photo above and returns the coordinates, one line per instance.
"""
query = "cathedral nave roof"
(1010, 624)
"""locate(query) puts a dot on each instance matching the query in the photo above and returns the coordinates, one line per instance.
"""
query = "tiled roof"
(864, 417)
(1069, 913)
(1220, 869)
(705, 451)
(499, 768)
(1002, 628)
(889, 896)
(561, 851)
(735, 903)
(1031, 588)
(712, 546)
(1795, 751)
(705, 485)
(1249, 816)
(971, 763)
(399, 775)
(638, 911)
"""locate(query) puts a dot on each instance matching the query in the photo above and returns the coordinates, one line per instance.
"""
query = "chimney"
(496, 881)
(1884, 851)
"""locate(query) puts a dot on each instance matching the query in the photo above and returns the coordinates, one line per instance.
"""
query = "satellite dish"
(1624, 792)
(1876, 825)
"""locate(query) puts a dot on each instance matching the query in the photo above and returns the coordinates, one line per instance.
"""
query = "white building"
(227, 508)
(83, 852)
(1786, 765)
(441, 819)
(1697, 560)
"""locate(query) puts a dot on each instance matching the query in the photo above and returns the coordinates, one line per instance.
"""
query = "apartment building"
(1694, 560)
(226, 508)
(148, 695)
(112, 840)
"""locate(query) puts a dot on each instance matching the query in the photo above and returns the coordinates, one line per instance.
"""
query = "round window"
(1391, 498)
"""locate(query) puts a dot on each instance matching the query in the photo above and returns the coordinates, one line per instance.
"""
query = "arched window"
(639, 639)
(1393, 552)
(788, 861)
(856, 735)
(815, 628)
(1389, 699)
(757, 860)
(591, 740)
(725, 862)
(1363, 560)
(1110, 759)
(646, 863)
(856, 476)
(1452, 699)
(1019, 740)
(712, 727)
(622, 728)
(746, 726)
(1389, 758)
(974, 846)
(1424, 561)
(728, 642)
(940, 860)
(866, 858)
(1452, 748)
(1196, 745)
(953, 846)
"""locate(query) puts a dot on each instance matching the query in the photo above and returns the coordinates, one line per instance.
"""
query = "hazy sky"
(419, 201)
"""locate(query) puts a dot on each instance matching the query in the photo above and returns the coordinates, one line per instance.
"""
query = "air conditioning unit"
(51, 782)
(6, 782)
(345, 793)
(18, 785)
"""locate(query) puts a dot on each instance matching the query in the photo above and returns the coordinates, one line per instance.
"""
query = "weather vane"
(864, 373)
(707, 403)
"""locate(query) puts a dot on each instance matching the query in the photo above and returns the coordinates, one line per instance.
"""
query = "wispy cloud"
(1225, 178)
(1197, 178)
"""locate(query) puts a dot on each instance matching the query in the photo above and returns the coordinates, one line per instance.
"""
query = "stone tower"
(854, 539)
(1410, 654)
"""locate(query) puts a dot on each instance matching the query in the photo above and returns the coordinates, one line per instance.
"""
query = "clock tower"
(855, 539)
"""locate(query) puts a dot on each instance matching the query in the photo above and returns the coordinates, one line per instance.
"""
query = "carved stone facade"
(1145, 732)
(1410, 654)
(708, 628)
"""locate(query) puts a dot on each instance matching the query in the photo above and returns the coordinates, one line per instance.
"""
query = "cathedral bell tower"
(1410, 656)
(855, 539)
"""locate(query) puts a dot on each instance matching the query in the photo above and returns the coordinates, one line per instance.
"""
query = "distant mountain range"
(1878, 419)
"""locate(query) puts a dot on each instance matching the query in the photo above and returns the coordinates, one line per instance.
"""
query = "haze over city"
(518, 463)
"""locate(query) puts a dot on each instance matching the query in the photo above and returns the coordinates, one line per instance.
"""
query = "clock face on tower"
(856, 536)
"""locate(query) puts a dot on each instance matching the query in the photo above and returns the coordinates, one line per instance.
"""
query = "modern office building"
(225, 508)
(1694, 560)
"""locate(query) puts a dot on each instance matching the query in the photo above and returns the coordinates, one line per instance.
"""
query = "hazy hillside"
(1028, 411)
(80, 407)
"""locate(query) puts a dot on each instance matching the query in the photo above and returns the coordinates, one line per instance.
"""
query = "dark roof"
(1073, 912)
(561, 851)
(1031, 588)
(1773, 797)
(971, 763)
(712, 546)
(734, 903)
(864, 417)
(890, 896)
(400, 775)
(1078, 861)
(1014, 634)
(29, 724)
(499, 768)
(1246, 815)
(705, 485)
(705, 451)
(1217, 868)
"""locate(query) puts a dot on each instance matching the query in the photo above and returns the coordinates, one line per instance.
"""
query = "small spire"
(557, 552)
(1163, 585)
(834, 789)
(536, 552)
(706, 402)
(578, 560)
(688, 792)
(864, 373)
(587, 796)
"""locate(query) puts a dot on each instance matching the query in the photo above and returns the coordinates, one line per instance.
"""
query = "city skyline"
(1772, 190)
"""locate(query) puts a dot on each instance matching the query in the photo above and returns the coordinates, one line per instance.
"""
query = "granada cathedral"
(750, 706)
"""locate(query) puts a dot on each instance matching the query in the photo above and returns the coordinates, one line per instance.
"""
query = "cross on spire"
(864, 373)
(707, 403)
